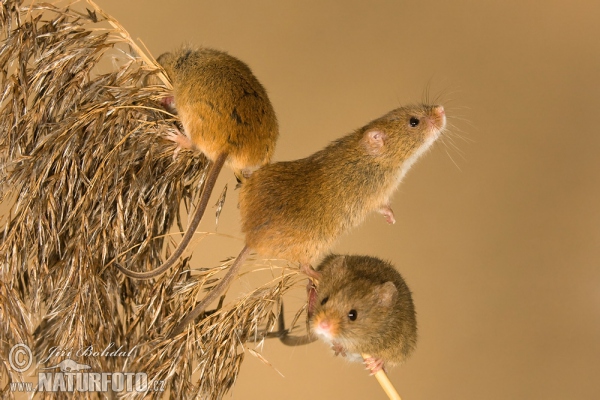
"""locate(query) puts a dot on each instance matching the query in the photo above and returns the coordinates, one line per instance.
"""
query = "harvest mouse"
(363, 306)
(226, 114)
(295, 210)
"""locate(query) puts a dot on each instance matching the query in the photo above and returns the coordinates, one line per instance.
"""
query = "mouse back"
(222, 106)
(296, 210)
(364, 306)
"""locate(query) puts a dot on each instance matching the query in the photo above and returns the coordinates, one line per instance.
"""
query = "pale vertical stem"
(385, 383)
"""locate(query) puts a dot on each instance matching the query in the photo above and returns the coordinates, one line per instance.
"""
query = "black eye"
(324, 300)
(352, 314)
(413, 121)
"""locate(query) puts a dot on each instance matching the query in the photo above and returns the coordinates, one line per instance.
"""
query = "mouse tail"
(191, 229)
(289, 340)
(214, 293)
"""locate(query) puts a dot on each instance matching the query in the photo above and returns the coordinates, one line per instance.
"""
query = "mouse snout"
(325, 326)
(437, 119)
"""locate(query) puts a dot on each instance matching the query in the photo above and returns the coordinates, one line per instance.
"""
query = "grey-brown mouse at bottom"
(363, 306)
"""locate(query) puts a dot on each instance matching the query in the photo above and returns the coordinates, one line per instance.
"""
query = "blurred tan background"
(499, 239)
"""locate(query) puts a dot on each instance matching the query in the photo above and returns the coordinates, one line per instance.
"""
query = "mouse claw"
(374, 365)
(176, 152)
(388, 214)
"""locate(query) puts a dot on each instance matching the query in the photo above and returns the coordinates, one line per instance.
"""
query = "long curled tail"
(193, 225)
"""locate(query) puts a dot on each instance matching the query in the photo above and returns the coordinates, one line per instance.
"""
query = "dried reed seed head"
(89, 180)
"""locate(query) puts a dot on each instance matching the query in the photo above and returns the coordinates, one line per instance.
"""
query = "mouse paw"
(168, 103)
(182, 141)
(374, 365)
(388, 214)
(310, 272)
(338, 349)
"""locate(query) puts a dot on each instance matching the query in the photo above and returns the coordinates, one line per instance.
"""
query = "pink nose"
(324, 324)
(439, 110)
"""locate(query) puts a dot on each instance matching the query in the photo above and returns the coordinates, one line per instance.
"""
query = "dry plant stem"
(88, 177)
(191, 230)
(215, 292)
(385, 383)
(148, 59)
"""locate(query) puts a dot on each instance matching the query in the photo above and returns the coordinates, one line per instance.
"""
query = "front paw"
(388, 214)
(338, 349)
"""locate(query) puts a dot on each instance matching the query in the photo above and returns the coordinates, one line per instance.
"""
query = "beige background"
(499, 240)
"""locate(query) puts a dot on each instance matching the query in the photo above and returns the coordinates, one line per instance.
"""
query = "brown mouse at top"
(363, 306)
(296, 210)
(226, 114)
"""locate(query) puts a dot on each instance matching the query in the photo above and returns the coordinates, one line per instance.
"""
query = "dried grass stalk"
(89, 179)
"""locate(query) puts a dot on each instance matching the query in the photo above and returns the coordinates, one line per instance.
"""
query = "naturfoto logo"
(73, 376)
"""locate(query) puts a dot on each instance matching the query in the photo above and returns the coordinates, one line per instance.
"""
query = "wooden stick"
(385, 383)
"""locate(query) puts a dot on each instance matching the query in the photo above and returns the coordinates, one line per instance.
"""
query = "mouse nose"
(324, 324)
(439, 111)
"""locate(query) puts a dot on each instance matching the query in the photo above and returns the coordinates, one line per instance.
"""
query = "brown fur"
(296, 210)
(385, 326)
(226, 114)
(222, 106)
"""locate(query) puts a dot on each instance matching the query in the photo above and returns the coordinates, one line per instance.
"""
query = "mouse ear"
(334, 267)
(374, 141)
(386, 293)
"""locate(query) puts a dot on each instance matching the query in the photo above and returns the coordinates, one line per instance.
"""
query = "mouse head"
(403, 134)
(167, 61)
(348, 310)
(180, 61)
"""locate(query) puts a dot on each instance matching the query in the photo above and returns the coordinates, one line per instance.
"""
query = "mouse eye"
(414, 121)
(352, 314)
(324, 300)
